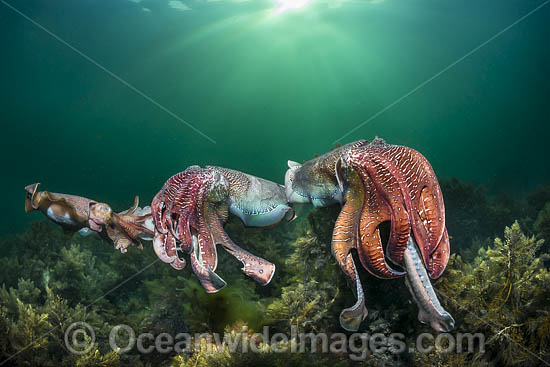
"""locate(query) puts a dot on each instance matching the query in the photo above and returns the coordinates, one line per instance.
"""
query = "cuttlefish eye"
(100, 212)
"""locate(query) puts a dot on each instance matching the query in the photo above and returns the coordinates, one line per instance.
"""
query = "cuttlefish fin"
(31, 193)
(68, 207)
(293, 164)
(54, 198)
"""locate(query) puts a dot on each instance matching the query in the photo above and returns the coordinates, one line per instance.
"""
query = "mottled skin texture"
(76, 213)
(375, 183)
(402, 188)
(190, 210)
(315, 181)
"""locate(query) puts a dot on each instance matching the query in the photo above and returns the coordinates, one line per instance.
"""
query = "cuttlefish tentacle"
(432, 199)
(133, 208)
(185, 198)
(185, 222)
(171, 225)
(171, 248)
(392, 200)
(408, 184)
(165, 248)
(432, 215)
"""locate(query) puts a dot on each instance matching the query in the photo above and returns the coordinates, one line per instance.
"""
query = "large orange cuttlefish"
(376, 183)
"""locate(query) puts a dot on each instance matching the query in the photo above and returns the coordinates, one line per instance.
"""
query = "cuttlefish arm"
(344, 238)
(128, 230)
(209, 280)
(254, 266)
(133, 208)
(190, 210)
(179, 214)
(123, 229)
(440, 257)
(417, 280)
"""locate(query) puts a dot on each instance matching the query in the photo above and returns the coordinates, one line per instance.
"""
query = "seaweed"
(94, 358)
(306, 305)
(499, 287)
(542, 227)
(503, 294)
(268, 355)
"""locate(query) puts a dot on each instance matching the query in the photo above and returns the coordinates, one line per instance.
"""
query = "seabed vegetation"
(497, 283)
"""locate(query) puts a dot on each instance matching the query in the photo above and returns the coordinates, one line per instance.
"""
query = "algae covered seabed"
(466, 84)
(497, 286)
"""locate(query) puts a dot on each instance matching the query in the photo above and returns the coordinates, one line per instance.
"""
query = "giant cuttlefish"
(79, 214)
(190, 210)
(375, 183)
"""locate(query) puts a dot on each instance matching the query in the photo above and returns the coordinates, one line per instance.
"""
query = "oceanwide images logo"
(80, 339)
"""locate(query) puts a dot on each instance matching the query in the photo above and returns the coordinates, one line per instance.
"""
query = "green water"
(266, 87)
